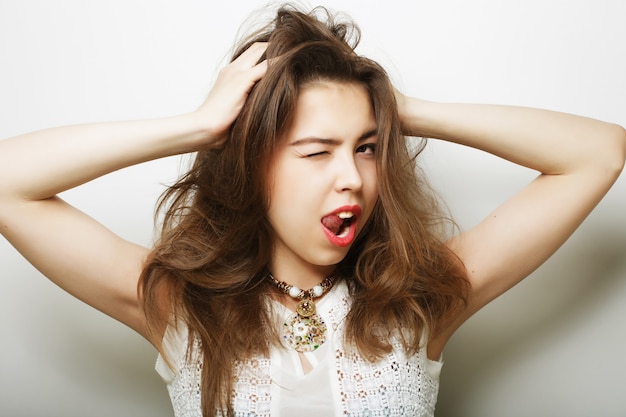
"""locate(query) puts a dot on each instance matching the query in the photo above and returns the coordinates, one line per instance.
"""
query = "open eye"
(367, 148)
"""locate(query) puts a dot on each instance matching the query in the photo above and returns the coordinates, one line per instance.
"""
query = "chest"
(331, 381)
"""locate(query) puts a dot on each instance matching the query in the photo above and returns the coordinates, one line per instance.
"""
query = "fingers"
(249, 60)
(258, 71)
(251, 56)
(246, 67)
(230, 91)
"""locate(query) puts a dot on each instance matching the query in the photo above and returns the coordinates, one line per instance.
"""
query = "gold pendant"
(306, 307)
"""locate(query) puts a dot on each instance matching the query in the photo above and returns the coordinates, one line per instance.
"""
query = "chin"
(332, 258)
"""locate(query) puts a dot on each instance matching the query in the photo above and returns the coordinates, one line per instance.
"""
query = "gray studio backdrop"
(554, 345)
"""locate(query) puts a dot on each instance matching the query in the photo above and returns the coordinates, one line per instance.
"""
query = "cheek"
(284, 186)
(371, 185)
(288, 190)
(370, 189)
(369, 174)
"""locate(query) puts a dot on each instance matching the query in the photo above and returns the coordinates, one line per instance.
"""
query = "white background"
(552, 346)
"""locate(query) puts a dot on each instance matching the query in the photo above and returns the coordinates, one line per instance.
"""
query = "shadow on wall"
(512, 358)
(78, 361)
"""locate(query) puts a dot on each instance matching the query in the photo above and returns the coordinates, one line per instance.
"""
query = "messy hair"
(215, 245)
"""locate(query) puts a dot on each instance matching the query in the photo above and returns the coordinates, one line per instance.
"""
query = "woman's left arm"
(578, 160)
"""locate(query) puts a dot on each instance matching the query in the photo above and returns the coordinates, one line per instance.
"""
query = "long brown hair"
(212, 256)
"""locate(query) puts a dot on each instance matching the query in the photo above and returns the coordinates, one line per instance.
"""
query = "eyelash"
(371, 147)
(368, 147)
(312, 155)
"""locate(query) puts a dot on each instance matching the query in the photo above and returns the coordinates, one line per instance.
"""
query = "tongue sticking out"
(333, 223)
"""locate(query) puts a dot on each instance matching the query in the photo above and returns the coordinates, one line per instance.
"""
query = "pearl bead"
(318, 290)
(294, 292)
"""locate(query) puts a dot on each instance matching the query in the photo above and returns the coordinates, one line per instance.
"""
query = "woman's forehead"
(331, 110)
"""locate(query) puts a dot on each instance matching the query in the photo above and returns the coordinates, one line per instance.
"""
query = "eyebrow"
(331, 141)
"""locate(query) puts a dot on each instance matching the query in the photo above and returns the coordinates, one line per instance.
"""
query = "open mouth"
(339, 223)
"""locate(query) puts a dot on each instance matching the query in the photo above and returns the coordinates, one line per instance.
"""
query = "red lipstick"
(340, 226)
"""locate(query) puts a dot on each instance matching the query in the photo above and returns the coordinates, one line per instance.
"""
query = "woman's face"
(323, 179)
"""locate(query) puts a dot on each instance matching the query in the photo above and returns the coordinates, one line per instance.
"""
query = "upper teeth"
(345, 215)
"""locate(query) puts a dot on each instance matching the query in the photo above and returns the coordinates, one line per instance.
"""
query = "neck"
(301, 277)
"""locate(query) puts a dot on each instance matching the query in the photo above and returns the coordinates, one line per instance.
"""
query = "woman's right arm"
(72, 249)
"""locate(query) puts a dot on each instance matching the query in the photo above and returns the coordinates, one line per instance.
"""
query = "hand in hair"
(403, 111)
(229, 93)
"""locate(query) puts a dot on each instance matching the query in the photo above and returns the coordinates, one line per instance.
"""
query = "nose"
(348, 175)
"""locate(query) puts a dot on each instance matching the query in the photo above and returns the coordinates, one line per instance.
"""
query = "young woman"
(302, 268)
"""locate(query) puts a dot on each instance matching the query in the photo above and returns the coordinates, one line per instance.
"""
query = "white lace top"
(340, 383)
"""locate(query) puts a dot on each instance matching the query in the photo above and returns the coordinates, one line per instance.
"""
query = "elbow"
(622, 141)
(614, 155)
(621, 146)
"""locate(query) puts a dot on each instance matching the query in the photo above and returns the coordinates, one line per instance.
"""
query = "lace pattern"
(184, 386)
(397, 385)
(252, 396)
(394, 386)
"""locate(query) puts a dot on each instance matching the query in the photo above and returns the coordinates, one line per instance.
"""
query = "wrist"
(192, 132)
(413, 114)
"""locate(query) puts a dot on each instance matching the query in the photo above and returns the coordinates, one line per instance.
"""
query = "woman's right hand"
(69, 247)
(229, 93)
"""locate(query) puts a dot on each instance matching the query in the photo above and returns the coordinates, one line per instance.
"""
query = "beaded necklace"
(305, 330)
